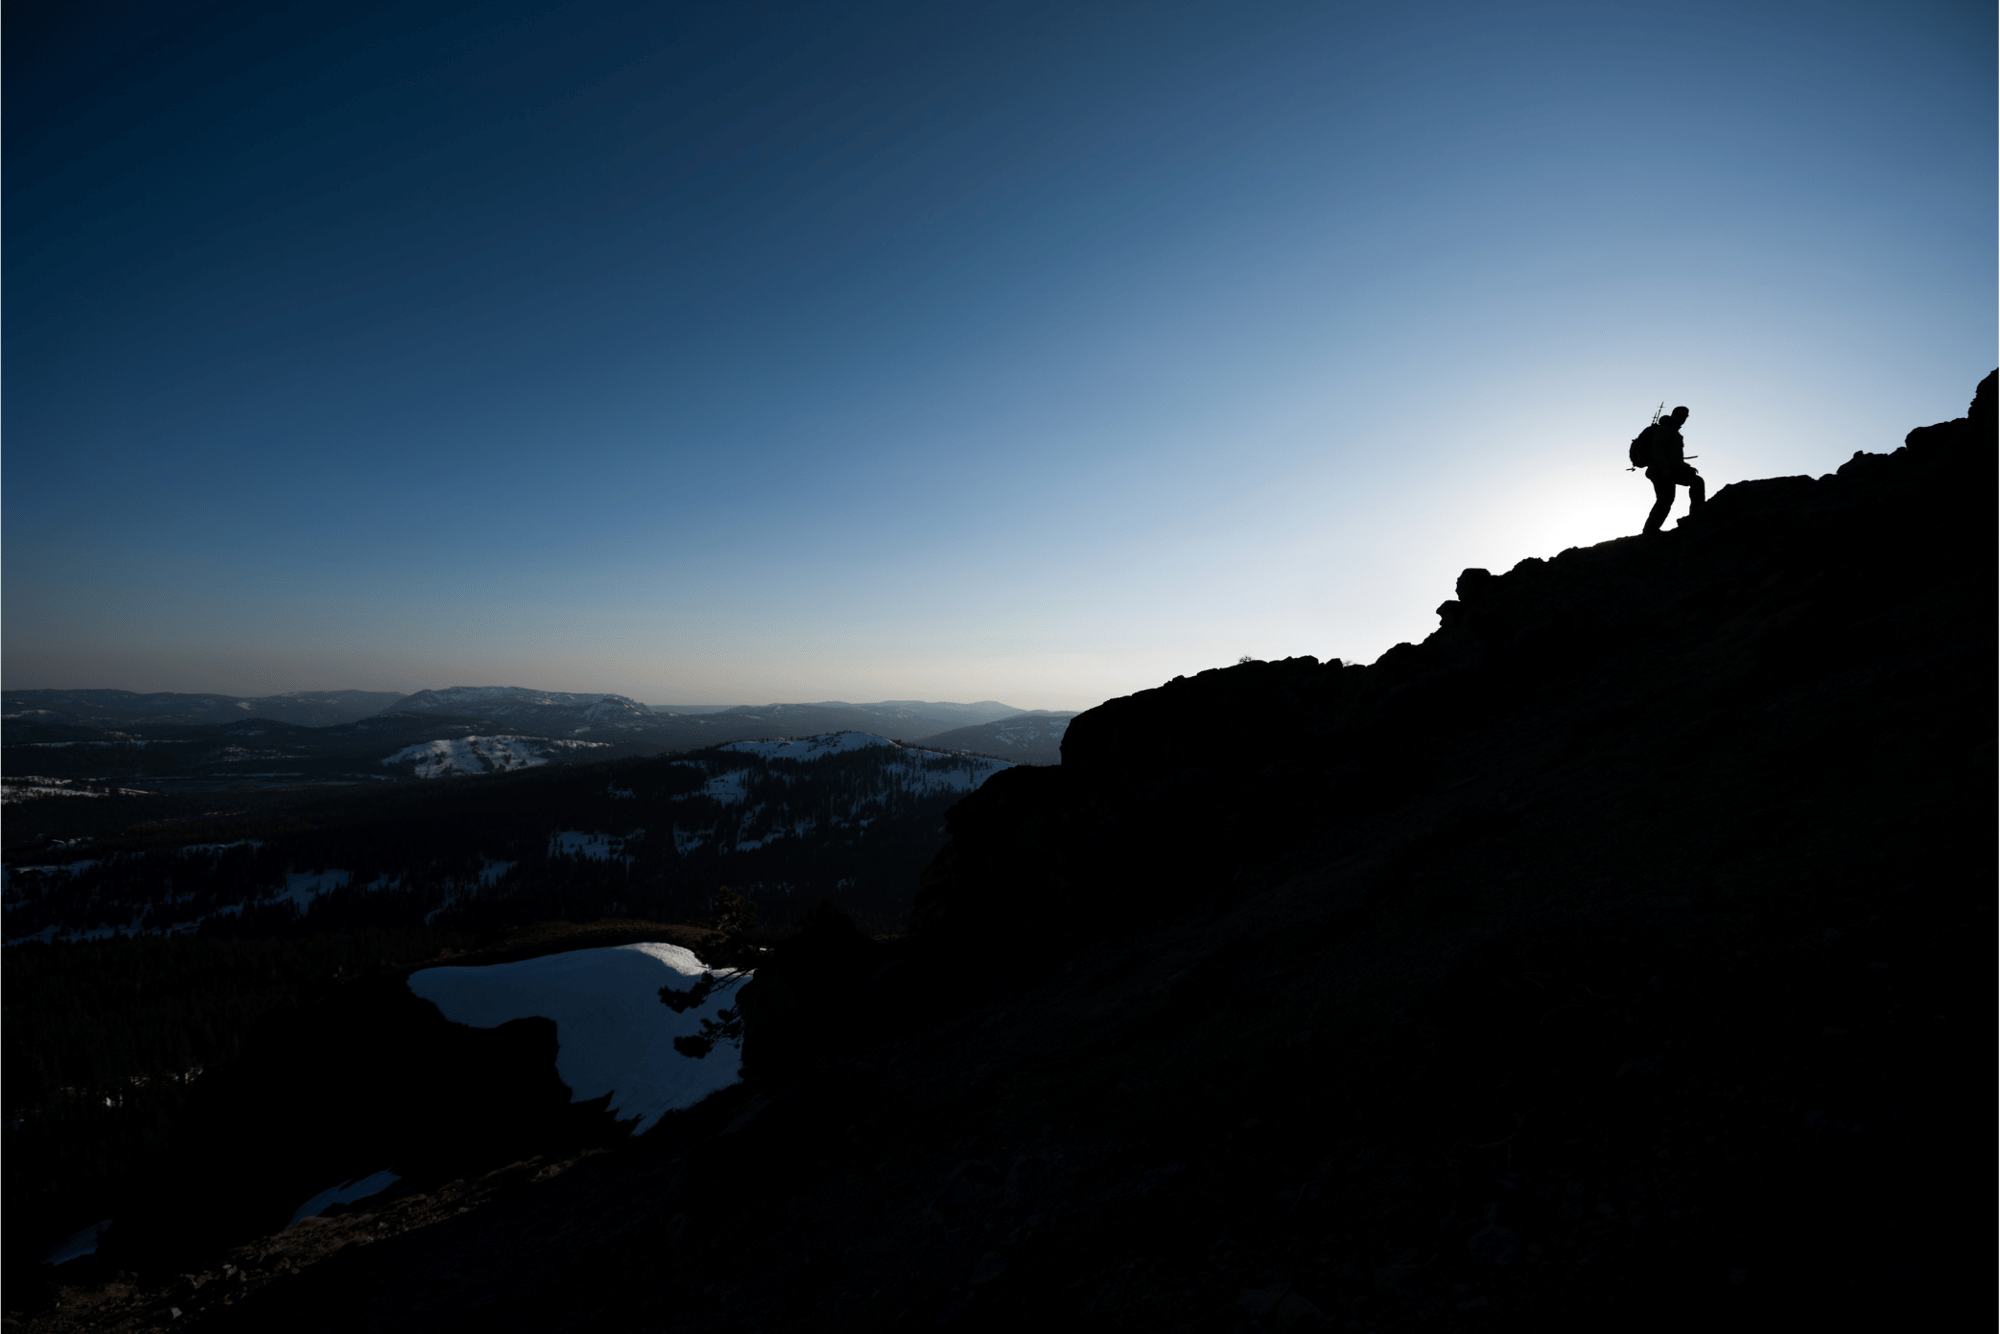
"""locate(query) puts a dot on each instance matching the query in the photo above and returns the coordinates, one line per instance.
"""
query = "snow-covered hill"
(614, 1035)
(451, 757)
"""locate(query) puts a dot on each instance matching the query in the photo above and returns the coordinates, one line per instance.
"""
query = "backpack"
(1640, 452)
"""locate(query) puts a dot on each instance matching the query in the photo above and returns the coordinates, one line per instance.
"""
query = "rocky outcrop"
(1169, 796)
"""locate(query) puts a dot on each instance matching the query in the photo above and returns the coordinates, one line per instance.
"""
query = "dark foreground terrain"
(1620, 956)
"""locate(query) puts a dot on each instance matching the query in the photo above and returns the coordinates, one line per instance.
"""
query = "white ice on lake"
(613, 1034)
(347, 1192)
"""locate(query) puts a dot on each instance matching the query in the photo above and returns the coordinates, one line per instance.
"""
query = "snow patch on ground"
(70, 867)
(727, 788)
(347, 1192)
(613, 1034)
(597, 847)
(975, 772)
(302, 887)
(17, 791)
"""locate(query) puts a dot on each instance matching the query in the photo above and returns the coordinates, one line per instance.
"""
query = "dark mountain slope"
(1618, 957)
(1785, 593)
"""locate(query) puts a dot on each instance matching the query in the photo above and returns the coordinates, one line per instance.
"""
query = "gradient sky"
(1041, 352)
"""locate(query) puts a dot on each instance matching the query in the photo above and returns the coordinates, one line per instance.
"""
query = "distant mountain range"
(114, 708)
(549, 712)
(328, 735)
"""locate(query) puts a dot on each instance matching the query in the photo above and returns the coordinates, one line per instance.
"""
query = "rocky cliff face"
(1634, 647)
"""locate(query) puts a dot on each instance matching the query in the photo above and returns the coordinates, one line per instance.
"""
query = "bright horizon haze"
(1019, 351)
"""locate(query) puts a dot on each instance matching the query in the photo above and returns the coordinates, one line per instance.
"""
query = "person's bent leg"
(1663, 490)
(1697, 490)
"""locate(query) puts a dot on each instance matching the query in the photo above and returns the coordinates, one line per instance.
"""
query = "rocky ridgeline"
(1165, 795)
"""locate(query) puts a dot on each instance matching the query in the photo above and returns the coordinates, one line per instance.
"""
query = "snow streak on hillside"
(27, 787)
(809, 747)
(452, 756)
(597, 847)
(795, 788)
(613, 1034)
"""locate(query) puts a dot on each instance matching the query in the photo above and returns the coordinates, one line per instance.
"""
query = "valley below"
(194, 744)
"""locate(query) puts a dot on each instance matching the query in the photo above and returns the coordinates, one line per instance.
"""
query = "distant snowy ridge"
(452, 756)
(613, 1034)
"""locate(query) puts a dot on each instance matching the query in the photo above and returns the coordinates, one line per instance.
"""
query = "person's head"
(1678, 415)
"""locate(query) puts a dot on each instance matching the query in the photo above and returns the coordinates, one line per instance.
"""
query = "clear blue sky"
(748, 352)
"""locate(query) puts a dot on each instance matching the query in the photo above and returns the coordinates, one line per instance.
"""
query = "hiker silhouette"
(1666, 469)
